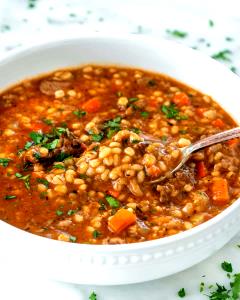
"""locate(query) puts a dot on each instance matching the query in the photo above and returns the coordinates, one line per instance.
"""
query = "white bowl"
(129, 263)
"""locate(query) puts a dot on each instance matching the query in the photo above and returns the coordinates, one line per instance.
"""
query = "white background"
(20, 25)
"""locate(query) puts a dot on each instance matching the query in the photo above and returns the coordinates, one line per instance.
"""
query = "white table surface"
(20, 25)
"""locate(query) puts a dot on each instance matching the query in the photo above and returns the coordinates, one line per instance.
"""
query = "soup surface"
(74, 167)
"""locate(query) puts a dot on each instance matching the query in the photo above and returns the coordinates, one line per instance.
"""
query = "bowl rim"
(58, 41)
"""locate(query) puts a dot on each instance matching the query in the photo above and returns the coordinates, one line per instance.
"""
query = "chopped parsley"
(72, 239)
(96, 234)
(79, 113)
(201, 288)
(9, 197)
(31, 3)
(93, 296)
(164, 138)
(43, 181)
(222, 55)
(177, 33)
(97, 137)
(226, 266)
(37, 155)
(83, 176)
(62, 156)
(229, 39)
(144, 114)
(132, 100)
(182, 131)
(4, 162)
(171, 112)
(37, 137)
(47, 121)
(26, 179)
(210, 23)
(59, 212)
(135, 130)
(112, 126)
(71, 212)
(233, 69)
(182, 293)
(112, 201)
(27, 145)
(59, 166)
(102, 205)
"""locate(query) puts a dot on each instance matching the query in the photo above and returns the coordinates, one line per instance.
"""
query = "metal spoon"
(187, 151)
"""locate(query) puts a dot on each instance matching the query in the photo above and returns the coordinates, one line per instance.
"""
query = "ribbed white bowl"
(120, 264)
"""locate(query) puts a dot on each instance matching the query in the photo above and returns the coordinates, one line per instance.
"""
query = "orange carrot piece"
(181, 99)
(201, 169)
(92, 105)
(153, 103)
(113, 193)
(199, 111)
(153, 171)
(121, 220)
(232, 142)
(218, 123)
(220, 193)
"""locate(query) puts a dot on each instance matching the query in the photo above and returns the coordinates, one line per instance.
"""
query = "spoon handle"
(216, 138)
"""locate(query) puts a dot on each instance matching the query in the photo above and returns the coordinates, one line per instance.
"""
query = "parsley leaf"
(52, 145)
(4, 162)
(43, 181)
(96, 234)
(97, 137)
(222, 55)
(181, 293)
(177, 33)
(132, 100)
(112, 126)
(112, 201)
(71, 212)
(210, 23)
(47, 121)
(28, 145)
(172, 112)
(93, 296)
(226, 266)
(236, 287)
(79, 113)
(72, 239)
(26, 179)
(8, 197)
(144, 114)
(59, 212)
(58, 166)
(37, 137)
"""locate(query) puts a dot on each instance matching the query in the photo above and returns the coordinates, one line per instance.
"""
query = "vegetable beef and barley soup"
(74, 165)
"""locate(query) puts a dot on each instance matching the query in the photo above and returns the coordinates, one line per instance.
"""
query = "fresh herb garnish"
(71, 212)
(229, 39)
(47, 121)
(93, 296)
(112, 201)
(27, 145)
(8, 197)
(4, 162)
(72, 239)
(172, 112)
(164, 138)
(96, 234)
(59, 212)
(37, 137)
(31, 3)
(144, 114)
(43, 195)
(37, 155)
(43, 181)
(182, 131)
(26, 179)
(177, 33)
(181, 293)
(223, 55)
(201, 288)
(59, 166)
(226, 266)
(210, 23)
(132, 100)
(112, 126)
(79, 113)
(135, 130)
(233, 69)
(97, 137)
(83, 176)
(52, 145)
(62, 156)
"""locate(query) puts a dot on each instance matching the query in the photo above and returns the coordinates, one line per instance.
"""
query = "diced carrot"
(201, 169)
(121, 220)
(181, 99)
(92, 105)
(218, 123)
(153, 171)
(232, 142)
(199, 111)
(113, 193)
(220, 193)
